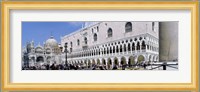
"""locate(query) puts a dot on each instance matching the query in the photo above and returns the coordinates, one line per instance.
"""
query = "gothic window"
(124, 47)
(95, 37)
(113, 49)
(117, 49)
(110, 33)
(153, 25)
(104, 50)
(128, 27)
(138, 46)
(78, 42)
(143, 45)
(120, 48)
(129, 47)
(85, 40)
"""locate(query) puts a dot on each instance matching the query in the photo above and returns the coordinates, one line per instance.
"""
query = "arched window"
(107, 50)
(104, 50)
(129, 47)
(153, 25)
(85, 40)
(143, 45)
(120, 48)
(117, 49)
(110, 32)
(110, 49)
(124, 47)
(138, 46)
(113, 49)
(95, 37)
(128, 27)
(78, 42)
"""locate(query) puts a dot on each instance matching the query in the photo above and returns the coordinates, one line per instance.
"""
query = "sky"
(39, 32)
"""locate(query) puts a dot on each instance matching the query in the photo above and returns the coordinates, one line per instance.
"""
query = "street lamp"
(66, 54)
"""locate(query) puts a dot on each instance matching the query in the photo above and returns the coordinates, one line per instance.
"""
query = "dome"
(51, 42)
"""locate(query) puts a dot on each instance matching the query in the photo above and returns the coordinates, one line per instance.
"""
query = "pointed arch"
(129, 47)
(123, 60)
(95, 37)
(131, 61)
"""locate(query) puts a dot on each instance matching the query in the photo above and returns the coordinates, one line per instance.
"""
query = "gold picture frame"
(5, 43)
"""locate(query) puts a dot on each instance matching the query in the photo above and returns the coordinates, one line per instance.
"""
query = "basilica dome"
(51, 42)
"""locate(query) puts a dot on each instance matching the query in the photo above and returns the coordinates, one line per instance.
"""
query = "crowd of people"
(55, 66)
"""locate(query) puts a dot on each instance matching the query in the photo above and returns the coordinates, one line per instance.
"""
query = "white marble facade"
(113, 43)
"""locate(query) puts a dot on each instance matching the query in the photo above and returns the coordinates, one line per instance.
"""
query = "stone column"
(115, 49)
(112, 64)
(131, 48)
(123, 49)
(120, 63)
(135, 49)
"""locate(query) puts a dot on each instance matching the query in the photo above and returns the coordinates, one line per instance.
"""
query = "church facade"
(37, 56)
(113, 43)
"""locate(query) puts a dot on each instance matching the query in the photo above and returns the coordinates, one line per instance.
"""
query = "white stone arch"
(123, 60)
(143, 45)
(93, 61)
(129, 47)
(80, 61)
(89, 62)
(116, 61)
(110, 49)
(133, 45)
(131, 60)
(109, 63)
(113, 48)
(96, 51)
(98, 62)
(141, 58)
(85, 61)
(92, 51)
(150, 58)
(124, 47)
(40, 58)
(104, 50)
(103, 60)
(107, 49)
(121, 48)
(154, 58)
(117, 48)
(138, 45)
(157, 58)
(71, 62)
